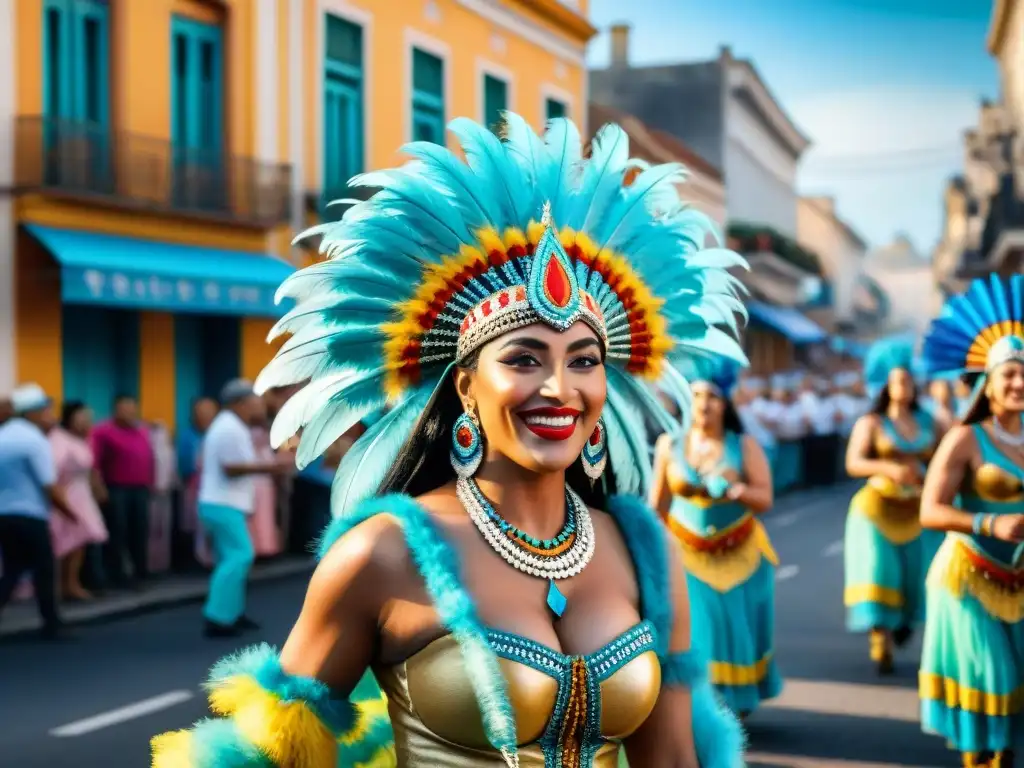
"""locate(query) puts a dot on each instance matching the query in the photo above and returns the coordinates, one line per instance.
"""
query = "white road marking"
(787, 572)
(122, 714)
(784, 521)
(834, 549)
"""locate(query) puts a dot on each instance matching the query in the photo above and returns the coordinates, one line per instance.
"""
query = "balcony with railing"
(88, 162)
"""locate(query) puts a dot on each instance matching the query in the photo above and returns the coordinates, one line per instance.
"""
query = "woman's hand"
(905, 474)
(736, 491)
(1008, 527)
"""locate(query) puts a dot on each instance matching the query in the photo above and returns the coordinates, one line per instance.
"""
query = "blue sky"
(884, 88)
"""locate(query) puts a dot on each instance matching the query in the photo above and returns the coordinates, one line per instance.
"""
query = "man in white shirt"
(821, 444)
(750, 402)
(226, 497)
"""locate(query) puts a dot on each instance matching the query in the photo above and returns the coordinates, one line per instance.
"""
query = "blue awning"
(146, 274)
(787, 322)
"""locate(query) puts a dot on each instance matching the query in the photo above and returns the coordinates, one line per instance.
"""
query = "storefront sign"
(142, 291)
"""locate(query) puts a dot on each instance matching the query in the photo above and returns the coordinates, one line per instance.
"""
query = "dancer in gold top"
(513, 609)
(890, 448)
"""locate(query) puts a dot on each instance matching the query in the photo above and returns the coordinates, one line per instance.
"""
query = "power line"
(892, 153)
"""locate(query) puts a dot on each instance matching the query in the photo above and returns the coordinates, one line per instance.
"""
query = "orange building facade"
(164, 153)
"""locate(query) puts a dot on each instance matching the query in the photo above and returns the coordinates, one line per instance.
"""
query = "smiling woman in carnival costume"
(972, 665)
(708, 486)
(890, 447)
(513, 610)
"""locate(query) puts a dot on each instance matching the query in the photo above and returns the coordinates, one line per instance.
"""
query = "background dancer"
(708, 486)
(972, 665)
(884, 593)
(512, 363)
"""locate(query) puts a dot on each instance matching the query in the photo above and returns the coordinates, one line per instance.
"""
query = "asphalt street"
(94, 702)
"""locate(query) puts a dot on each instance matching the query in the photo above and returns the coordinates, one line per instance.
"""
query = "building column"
(297, 112)
(8, 371)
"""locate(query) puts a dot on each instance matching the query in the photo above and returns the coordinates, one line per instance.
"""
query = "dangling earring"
(595, 452)
(467, 446)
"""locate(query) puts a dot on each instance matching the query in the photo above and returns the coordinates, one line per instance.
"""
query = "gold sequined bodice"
(993, 483)
(592, 702)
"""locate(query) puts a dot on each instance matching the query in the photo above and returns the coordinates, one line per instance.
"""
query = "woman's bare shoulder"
(374, 548)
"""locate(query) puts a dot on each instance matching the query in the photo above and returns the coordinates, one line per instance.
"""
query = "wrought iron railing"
(140, 172)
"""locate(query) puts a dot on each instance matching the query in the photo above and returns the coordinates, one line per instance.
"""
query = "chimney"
(620, 45)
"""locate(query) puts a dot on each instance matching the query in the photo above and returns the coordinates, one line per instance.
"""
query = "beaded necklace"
(561, 557)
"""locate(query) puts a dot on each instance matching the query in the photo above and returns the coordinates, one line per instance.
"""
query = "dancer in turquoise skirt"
(972, 666)
(708, 486)
(889, 447)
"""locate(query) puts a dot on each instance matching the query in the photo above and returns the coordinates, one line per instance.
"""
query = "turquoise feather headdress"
(978, 330)
(884, 356)
(720, 373)
(445, 247)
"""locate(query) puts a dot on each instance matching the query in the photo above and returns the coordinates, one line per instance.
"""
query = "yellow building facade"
(165, 152)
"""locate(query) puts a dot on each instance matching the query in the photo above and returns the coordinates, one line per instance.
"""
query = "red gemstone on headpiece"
(556, 283)
(503, 299)
(464, 436)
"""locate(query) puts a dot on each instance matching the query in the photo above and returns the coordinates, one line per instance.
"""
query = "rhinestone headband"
(551, 295)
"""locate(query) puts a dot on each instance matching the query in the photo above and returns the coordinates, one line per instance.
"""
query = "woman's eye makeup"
(523, 359)
(520, 359)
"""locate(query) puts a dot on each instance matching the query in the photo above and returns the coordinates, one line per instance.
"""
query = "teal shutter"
(495, 102)
(427, 97)
(197, 109)
(76, 88)
(343, 108)
(555, 108)
(100, 350)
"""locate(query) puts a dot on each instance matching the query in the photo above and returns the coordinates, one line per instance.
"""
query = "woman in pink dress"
(263, 530)
(77, 475)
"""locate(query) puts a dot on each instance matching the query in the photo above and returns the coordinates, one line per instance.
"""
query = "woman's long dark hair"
(422, 465)
(881, 404)
(68, 412)
(980, 407)
(731, 417)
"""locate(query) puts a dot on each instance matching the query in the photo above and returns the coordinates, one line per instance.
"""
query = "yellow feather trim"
(953, 570)
(367, 712)
(490, 240)
(897, 519)
(288, 732)
(384, 757)
(172, 750)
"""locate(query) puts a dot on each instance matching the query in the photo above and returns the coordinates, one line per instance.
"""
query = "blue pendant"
(556, 600)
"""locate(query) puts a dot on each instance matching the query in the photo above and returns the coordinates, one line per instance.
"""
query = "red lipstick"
(555, 424)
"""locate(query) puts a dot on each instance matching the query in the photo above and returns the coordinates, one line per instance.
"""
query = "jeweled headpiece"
(550, 295)
(979, 330)
(448, 255)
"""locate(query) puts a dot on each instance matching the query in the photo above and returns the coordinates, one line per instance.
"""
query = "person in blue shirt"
(28, 491)
(204, 409)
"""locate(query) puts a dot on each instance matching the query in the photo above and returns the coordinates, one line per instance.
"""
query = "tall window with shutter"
(343, 106)
(197, 113)
(427, 97)
(495, 101)
(76, 91)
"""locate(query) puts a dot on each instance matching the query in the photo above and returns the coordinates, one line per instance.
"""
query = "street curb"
(158, 598)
